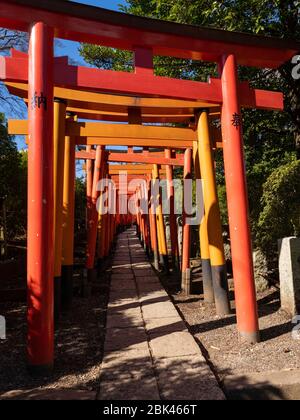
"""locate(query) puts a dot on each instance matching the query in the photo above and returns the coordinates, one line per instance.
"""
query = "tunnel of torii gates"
(60, 95)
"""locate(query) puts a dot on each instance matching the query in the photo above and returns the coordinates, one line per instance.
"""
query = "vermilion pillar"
(186, 246)
(68, 222)
(139, 214)
(40, 253)
(101, 230)
(101, 233)
(89, 185)
(213, 219)
(59, 156)
(235, 175)
(172, 216)
(112, 192)
(93, 220)
(107, 221)
(146, 219)
(143, 217)
(101, 224)
(153, 228)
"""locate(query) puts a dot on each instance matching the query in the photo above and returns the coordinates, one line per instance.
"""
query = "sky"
(107, 4)
(71, 48)
(63, 47)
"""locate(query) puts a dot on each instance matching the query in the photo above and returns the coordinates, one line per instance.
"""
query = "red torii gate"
(146, 38)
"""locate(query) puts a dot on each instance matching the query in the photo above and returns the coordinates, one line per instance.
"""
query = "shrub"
(280, 215)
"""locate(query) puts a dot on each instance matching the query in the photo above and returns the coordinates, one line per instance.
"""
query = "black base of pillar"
(66, 287)
(99, 263)
(40, 370)
(220, 284)
(175, 263)
(186, 282)
(91, 275)
(208, 290)
(57, 298)
(165, 263)
(85, 285)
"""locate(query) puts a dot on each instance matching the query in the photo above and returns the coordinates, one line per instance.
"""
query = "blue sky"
(107, 4)
(71, 48)
(63, 47)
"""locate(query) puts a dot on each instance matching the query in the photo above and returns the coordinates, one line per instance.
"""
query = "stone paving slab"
(172, 344)
(124, 304)
(127, 311)
(149, 353)
(119, 321)
(145, 290)
(119, 339)
(167, 325)
(146, 297)
(282, 386)
(158, 310)
(122, 285)
(187, 378)
(124, 276)
(123, 294)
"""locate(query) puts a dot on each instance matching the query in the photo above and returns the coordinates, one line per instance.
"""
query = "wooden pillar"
(40, 230)
(173, 224)
(208, 291)
(59, 155)
(186, 247)
(93, 220)
(68, 222)
(237, 201)
(162, 242)
(212, 211)
(153, 227)
(89, 185)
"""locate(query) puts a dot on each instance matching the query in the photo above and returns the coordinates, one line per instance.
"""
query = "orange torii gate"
(159, 133)
(139, 170)
(42, 71)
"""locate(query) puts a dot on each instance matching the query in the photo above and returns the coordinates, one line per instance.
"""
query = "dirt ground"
(80, 339)
(79, 344)
(218, 338)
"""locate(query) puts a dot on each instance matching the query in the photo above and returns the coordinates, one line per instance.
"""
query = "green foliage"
(223, 204)
(9, 160)
(280, 202)
(13, 186)
(107, 58)
(272, 139)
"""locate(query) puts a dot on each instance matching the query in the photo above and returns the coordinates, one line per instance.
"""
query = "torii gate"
(89, 24)
(91, 105)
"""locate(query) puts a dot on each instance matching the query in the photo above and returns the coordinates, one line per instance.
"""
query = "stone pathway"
(149, 353)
